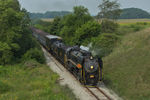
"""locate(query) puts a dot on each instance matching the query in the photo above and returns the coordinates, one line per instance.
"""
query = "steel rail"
(103, 93)
(93, 93)
(56, 62)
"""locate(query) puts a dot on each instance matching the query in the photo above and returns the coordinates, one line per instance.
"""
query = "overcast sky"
(67, 5)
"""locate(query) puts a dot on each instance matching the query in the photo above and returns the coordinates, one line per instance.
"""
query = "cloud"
(92, 5)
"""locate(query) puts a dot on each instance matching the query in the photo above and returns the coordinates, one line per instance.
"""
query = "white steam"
(94, 50)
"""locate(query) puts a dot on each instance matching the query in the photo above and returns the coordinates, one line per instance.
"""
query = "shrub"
(5, 53)
(103, 44)
(108, 26)
(35, 54)
(137, 27)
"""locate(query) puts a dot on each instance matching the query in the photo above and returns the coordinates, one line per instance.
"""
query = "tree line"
(48, 14)
(127, 13)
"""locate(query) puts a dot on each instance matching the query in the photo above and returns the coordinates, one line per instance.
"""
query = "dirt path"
(67, 79)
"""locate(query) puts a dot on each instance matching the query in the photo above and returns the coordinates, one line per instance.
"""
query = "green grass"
(127, 68)
(31, 81)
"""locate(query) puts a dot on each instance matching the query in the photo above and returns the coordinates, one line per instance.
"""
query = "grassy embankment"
(31, 81)
(126, 69)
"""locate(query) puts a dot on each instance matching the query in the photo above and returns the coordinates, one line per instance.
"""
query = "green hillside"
(127, 69)
(134, 13)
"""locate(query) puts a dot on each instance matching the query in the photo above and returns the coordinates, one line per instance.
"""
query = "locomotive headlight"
(92, 67)
(91, 76)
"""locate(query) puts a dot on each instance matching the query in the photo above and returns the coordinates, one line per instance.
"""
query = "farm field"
(120, 21)
(131, 21)
(47, 19)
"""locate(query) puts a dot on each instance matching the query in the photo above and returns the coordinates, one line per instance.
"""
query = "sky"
(67, 5)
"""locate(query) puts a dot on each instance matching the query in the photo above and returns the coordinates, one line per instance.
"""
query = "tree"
(70, 23)
(80, 11)
(86, 31)
(108, 26)
(109, 10)
(56, 26)
(15, 35)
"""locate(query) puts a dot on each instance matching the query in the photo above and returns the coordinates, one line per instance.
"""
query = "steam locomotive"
(86, 68)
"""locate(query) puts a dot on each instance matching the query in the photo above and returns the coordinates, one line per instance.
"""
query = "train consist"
(86, 68)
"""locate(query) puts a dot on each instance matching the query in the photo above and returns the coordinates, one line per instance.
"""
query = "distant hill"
(134, 13)
(48, 14)
(127, 13)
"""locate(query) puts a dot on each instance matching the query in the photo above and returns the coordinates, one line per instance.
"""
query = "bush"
(108, 26)
(137, 27)
(103, 44)
(35, 54)
(5, 53)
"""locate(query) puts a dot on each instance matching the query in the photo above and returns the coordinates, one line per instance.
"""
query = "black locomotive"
(86, 68)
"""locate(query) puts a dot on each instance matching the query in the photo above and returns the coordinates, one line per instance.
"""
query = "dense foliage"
(73, 22)
(15, 35)
(134, 13)
(108, 26)
(48, 14)
(35, 54)
(104, 44)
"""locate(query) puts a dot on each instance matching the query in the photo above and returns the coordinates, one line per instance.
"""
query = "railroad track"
(98, 93)
(94, 91)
